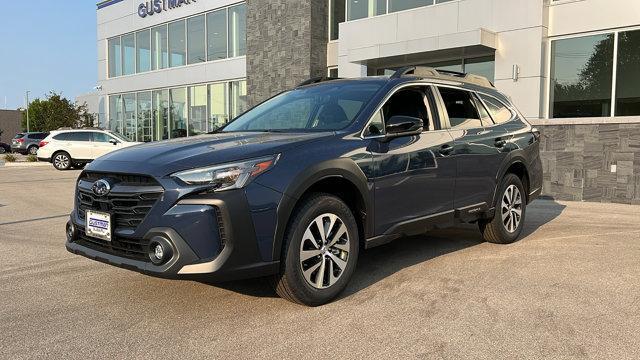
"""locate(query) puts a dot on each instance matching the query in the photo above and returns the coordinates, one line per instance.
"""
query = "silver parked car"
(27, 142)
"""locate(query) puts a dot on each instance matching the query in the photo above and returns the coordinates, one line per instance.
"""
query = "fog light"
(71, 232)
(158, 252)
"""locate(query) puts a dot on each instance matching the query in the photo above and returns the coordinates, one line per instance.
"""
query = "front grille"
(135, 249)
(122, 179)
(127, 210)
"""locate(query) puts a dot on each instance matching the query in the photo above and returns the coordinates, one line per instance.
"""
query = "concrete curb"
(24, 164)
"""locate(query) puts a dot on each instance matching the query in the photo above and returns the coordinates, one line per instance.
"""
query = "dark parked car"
(296, 187)
(28, 142)
(4, 148)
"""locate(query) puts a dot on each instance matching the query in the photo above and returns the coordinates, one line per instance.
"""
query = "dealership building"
(174, 68)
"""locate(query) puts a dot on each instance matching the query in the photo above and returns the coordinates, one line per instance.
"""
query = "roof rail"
(424, 71)
(82, 128)
(315, 80)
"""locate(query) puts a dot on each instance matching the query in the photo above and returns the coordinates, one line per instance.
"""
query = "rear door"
(478, 148)
(79, 145)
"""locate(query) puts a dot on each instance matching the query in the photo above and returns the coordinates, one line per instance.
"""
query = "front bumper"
(192, 229)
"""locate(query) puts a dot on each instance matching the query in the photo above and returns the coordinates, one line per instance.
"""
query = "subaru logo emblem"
(101, 187)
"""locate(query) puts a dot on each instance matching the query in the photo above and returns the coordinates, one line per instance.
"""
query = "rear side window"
(38, 136)
(79, 136)
(61, 137)
(461, 108)
(499, 111)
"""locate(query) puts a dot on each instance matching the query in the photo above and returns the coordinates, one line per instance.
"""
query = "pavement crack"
(36, 219)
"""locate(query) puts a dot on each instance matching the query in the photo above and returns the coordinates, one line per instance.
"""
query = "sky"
(46, 45)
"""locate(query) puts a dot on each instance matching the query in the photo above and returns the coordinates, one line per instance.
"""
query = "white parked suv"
(65, 148)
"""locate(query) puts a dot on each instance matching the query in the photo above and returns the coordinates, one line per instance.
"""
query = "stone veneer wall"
(577, 161)
(286, 44)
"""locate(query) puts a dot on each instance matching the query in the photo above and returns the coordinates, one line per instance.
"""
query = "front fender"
(343, 168)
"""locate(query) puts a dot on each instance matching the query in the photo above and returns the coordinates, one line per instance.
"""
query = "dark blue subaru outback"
(296, 187)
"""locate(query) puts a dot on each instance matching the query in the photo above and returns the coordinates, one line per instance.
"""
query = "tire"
(2, 150)
(508, 220)
(32, 150)
(316, 285)
(61, 160)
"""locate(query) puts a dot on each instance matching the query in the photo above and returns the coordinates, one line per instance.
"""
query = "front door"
(414, 175)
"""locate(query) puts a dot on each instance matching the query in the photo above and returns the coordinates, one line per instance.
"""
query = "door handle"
(500, 142)
(445, 150)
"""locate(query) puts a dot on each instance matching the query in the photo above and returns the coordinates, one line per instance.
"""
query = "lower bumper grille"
(135, 249)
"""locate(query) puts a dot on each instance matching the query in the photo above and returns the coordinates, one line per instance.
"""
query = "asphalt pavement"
(569, 289)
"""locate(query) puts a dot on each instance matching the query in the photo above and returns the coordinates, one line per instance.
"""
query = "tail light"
(43, 143)
(20, 140)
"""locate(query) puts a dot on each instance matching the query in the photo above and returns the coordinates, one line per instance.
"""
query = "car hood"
(169, 156)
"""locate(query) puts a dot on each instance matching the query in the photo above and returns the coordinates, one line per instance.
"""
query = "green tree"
(52, 113)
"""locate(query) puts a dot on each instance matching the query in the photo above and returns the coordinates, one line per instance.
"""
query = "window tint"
(101, 137)
(460, 108)
(628, 77)
(484, 114)
(62, 137)
(499, 112)
(376, 127)
(79, 136)
(37, 136)
(408, 102)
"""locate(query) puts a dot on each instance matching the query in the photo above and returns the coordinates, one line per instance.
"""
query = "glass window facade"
(582, 76)
(337, 10)
(196, 44)
(628, 74)
(143, 50)
(358, 9)
(237, 30)
(128, 54)
(115, 57)
(216, 35)
(177, 112)
(159, 45)
(177, 44)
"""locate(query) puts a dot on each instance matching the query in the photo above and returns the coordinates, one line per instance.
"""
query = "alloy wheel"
(511, 208)
(324, 251)
(61, 161)
(33, 150)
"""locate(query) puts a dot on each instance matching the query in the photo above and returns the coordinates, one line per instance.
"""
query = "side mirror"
(400, 125)
(113, 141)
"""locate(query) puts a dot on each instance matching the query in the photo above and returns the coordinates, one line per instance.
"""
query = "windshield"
(325, 107)
(118, 136)
(19, 136)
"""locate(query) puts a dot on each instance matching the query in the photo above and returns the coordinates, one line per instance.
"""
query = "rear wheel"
(2, 150)
(61, 160)
(33, 150)
(321, 251)
(508, 220)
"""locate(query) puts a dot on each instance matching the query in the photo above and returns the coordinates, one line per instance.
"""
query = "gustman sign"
(149, 8)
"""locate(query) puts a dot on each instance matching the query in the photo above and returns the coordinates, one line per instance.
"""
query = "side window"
(376, 126)
(499, 112)
(484, 114)
(62, 137)
(79, 136)
(101, 137)
(461, 108)
(409, 101)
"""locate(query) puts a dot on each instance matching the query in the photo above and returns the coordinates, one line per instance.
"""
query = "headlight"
(228, 176)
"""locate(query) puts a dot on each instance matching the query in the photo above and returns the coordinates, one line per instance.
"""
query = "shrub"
(9, 158)
(32, 158)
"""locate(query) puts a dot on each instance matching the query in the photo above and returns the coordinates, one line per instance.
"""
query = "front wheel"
(61, 160)
(508, 220)
(321, 251)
